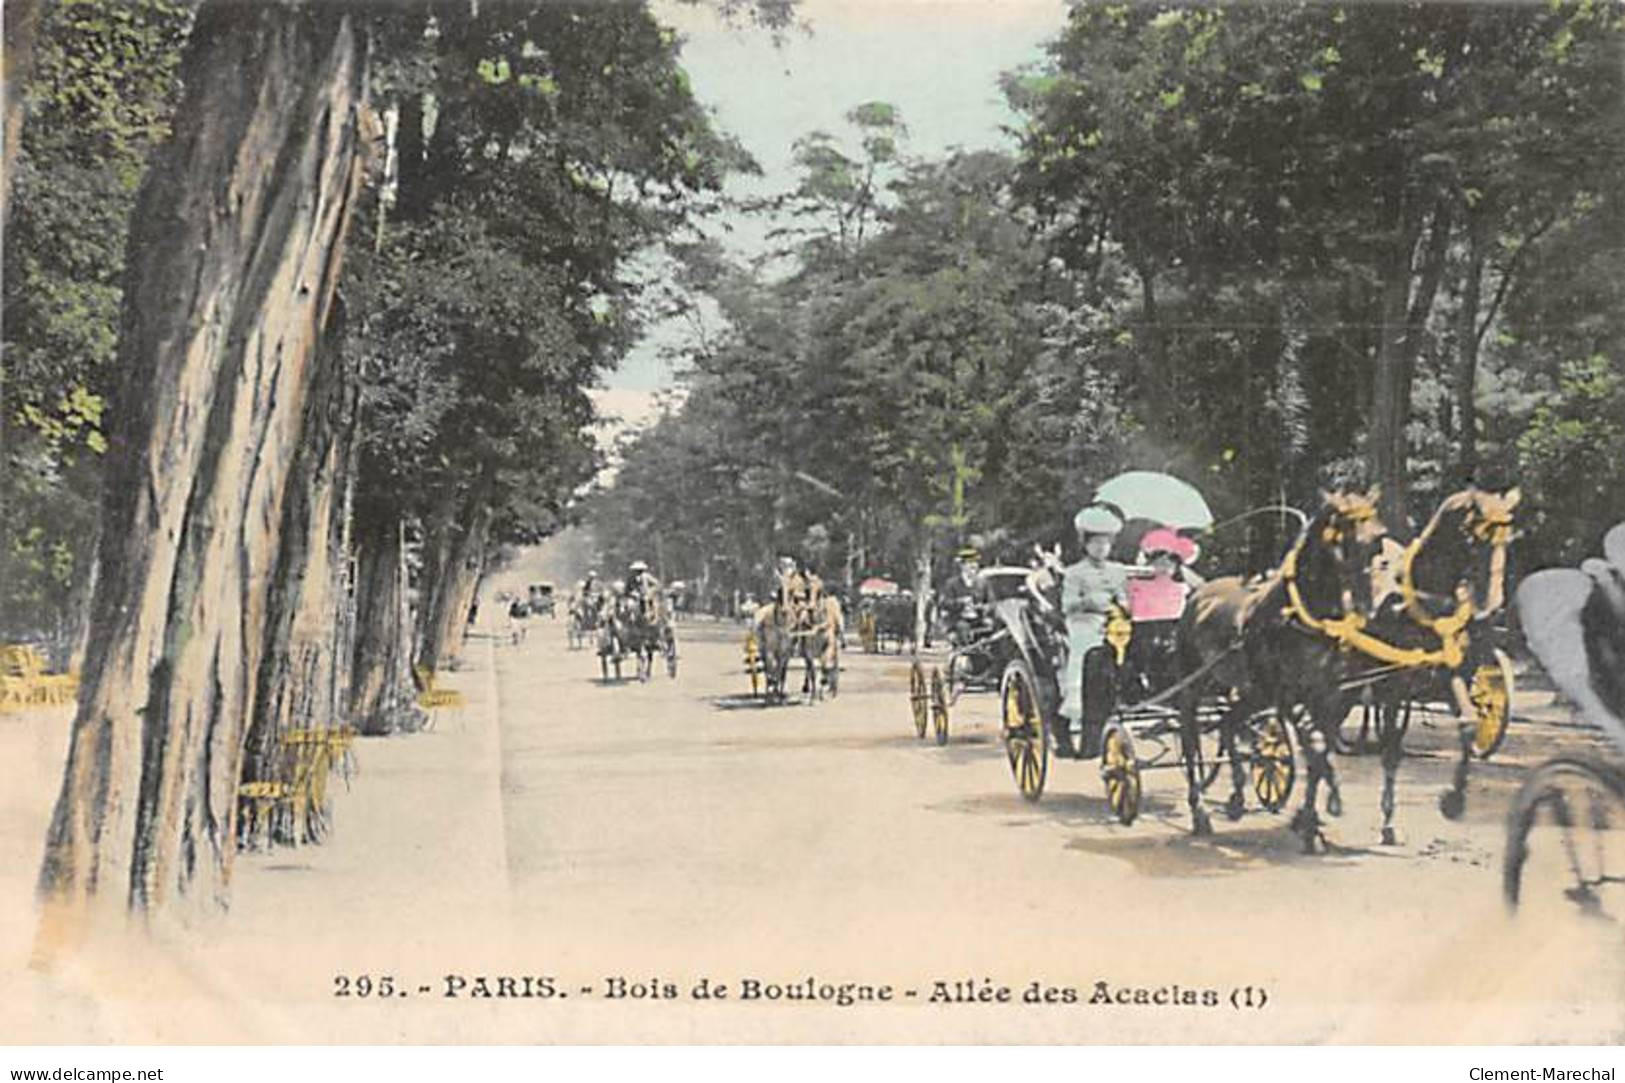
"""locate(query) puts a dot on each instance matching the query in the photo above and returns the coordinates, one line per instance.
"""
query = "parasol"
(1162, 498)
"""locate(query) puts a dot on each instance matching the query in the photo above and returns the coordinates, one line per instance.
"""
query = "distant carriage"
(542, 600)
(885, 612)
(980, 646)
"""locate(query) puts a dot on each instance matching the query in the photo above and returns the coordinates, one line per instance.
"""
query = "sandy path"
(558, 828)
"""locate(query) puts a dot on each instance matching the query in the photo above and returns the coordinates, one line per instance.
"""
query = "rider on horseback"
(796, 591)
(643, 588)
(589, 599)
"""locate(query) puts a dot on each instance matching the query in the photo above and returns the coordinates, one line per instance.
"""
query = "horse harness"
(1349, 630)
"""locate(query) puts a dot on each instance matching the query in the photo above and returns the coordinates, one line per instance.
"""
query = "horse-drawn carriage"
(635, 625)
(885, 611)
(1141, 708)
(979, 648)
(809, 628)
(1255, 667)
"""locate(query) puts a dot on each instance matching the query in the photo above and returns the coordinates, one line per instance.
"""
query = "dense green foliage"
(103, 90)
(1266, 247)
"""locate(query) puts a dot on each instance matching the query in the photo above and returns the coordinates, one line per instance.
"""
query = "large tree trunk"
(382, 697)
(922, 589)
(21, 19)
(1386, 448)
(1466, 382)
(453, 562)
(304, 674)
(237, 242)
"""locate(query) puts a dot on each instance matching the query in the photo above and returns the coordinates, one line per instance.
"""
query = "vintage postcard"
(812, 522)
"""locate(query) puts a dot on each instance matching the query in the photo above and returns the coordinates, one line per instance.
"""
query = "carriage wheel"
(939, 706)
(917, 699)
(1491, 692)
(1120, 771)
(1272, 764)
(1025, 731)
(1567, 831)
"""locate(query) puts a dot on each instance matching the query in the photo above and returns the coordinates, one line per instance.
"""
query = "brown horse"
(1264, 643)
(1449, 579)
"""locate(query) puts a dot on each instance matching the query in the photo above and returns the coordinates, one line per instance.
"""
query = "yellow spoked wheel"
(918, 699)
(1026, 737)
(753, 664)
(939, 706)
(1120, 771)
(1491, 693)
(1273, 764)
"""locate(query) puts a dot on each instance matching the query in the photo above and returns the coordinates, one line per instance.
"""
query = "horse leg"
(1190, 723)
(1306, 821)
(1390, 739)
(1229, 733)
(1453, 802)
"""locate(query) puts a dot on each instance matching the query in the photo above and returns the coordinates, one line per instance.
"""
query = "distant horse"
(819, 644)
(775, 644)
(612, 636)
(647, 630)
(1264, 642)
(1449, 579)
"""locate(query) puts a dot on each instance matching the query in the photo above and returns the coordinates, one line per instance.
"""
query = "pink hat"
(1163, 540)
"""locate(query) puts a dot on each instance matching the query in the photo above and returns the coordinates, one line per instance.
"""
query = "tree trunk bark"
(1390, 396)
(382, 699)
(1467, 360)
(454, 561)
(922, 589)
(304, 675)
(237, 244)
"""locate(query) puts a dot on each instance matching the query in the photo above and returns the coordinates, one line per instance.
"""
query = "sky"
(937, 61)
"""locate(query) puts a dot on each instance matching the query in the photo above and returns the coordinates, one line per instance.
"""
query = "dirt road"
(583, 839)
(677, 828)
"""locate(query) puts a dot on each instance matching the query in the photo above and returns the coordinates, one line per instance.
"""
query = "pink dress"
(1158, 598)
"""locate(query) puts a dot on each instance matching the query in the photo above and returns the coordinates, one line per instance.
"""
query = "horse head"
(1459, 559)
(1336, 552)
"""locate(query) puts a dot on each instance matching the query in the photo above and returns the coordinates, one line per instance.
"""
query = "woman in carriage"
(1089, 591)
(1156, 601)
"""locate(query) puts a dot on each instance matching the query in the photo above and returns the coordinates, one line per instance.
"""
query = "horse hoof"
(1334, 804)
(1201, 825)
(1236, 807)
(1452, 803)
(1389, 838)
(1302, 820)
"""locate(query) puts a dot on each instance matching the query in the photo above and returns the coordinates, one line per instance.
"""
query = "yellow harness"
(1349, 630)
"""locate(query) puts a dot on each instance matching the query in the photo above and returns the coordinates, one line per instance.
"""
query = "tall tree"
(239, 235)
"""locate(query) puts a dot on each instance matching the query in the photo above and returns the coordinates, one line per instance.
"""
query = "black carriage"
(980, 646)
(542, 600)
(1130, 699)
